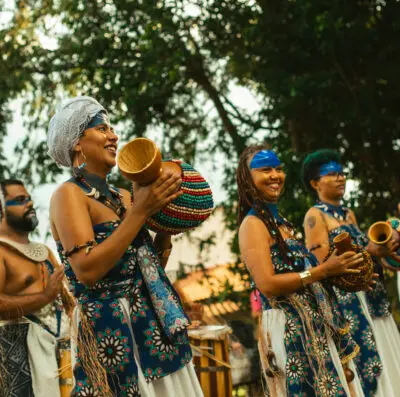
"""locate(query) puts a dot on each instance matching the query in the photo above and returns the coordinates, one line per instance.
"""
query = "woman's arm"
(254, 241)
(316, 234)
(69, 213)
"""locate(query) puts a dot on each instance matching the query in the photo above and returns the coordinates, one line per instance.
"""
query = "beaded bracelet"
(88, 245)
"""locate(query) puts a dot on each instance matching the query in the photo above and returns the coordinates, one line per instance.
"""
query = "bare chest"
(23, 275)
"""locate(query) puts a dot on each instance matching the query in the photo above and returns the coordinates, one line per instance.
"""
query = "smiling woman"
(304, 343)
(132, 337)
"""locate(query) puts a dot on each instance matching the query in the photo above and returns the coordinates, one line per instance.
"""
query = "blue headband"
(265, 158)
(331, 167)
(99, 118)
(22, 201)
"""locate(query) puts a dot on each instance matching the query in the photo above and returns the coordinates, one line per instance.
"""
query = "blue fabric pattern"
(159, 354)
(323, 314)
(326, 319)
(368, 361)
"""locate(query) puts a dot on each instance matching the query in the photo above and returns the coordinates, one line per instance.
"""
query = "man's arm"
(16, 306)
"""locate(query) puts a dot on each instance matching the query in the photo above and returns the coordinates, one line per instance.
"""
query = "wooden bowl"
(140, 161)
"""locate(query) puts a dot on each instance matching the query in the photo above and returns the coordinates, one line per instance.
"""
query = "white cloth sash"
(43, 362)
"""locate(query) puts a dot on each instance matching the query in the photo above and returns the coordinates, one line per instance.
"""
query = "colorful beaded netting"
(187, 211)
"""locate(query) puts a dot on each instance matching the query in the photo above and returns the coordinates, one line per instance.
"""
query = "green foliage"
(325, 73)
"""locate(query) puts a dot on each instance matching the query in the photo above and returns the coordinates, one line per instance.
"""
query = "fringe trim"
(88, 356)
(345, 330)
(350, 356)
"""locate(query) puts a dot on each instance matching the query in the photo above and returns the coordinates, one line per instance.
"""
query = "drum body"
(65, 367)
(189, 210)
(211, 359)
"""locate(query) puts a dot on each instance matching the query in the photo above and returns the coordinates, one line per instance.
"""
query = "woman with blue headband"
(304, 344)
(369, 313)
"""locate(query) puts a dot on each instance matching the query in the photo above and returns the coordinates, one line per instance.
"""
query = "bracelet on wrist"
(306, 278)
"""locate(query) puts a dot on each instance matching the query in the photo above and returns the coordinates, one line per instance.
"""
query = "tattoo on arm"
(315, 247)
(311, 221)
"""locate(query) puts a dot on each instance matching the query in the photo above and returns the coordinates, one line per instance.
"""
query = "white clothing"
(274, 321)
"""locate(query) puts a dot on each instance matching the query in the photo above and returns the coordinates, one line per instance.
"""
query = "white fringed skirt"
(274, 321)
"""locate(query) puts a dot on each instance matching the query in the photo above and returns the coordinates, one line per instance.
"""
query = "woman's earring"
(83, 164)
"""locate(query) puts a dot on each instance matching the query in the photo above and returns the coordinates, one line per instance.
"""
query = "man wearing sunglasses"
(368, 312)
(33, 319)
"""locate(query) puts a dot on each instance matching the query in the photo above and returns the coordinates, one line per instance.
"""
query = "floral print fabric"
(159, 354)
(368, 361)
(305, 353)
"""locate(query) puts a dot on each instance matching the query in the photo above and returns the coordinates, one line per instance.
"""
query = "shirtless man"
(32, 318)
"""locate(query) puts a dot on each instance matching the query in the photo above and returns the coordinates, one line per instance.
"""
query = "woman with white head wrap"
(132, 336)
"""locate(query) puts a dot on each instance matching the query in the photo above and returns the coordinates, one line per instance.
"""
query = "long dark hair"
(250, 197)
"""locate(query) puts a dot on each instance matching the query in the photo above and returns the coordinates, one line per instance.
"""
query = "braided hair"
(250, 197)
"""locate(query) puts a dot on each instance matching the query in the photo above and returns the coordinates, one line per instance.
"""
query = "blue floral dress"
(304, 345)
(159, 354)
(368, 361)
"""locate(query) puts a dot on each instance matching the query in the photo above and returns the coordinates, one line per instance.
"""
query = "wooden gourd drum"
(140, 162)
(382, 233)
(187, 211)
(352, 282)
(211, 359)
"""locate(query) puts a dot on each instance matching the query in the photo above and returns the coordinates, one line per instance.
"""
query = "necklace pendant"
(91, 193)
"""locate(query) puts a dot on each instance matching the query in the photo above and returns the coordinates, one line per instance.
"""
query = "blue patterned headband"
(265, 158)
(331, 167)
(99, 118)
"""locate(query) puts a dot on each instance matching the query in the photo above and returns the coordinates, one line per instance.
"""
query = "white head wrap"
(67, 126)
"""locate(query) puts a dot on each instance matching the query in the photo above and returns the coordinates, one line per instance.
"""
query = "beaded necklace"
(96, 193)
(338, 212)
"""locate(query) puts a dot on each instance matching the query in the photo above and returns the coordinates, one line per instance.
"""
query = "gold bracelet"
(306, 278)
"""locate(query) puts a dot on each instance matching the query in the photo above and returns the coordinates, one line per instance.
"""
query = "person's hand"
(382, 250)
(54, 284)
(337, 265)
(152, 198)
(372, 282)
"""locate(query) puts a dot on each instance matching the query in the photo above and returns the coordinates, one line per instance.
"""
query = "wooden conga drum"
(65, 367)
(211, 359)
